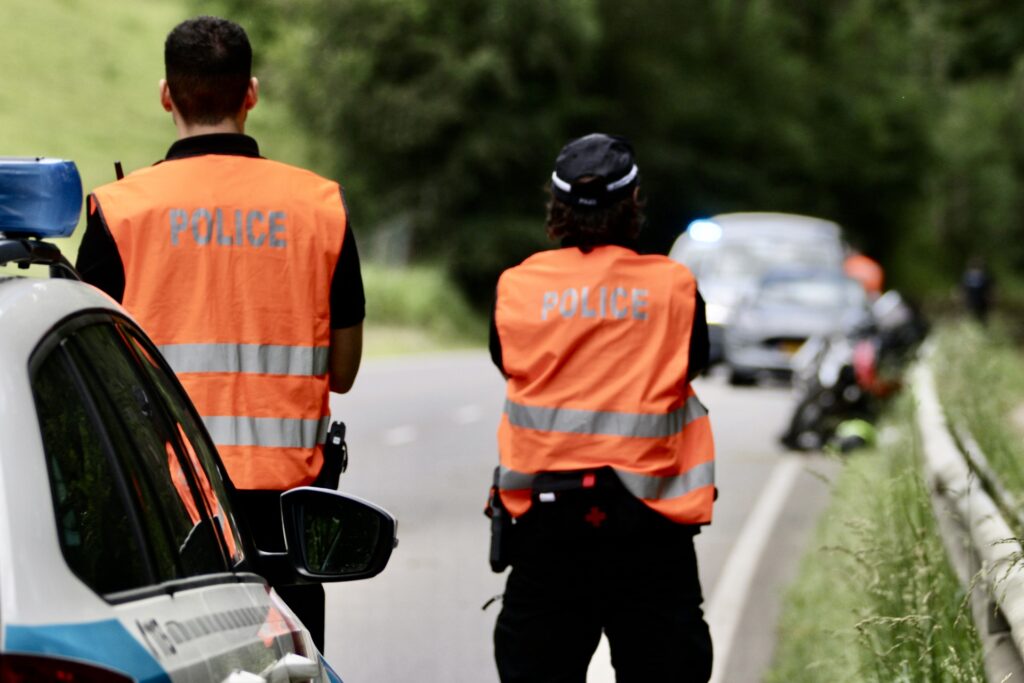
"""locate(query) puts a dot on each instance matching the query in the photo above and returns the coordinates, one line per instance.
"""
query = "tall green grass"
(875, 600)
(979, 373)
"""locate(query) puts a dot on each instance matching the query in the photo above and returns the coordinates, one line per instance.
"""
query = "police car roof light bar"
(39, 198)
(26, 252)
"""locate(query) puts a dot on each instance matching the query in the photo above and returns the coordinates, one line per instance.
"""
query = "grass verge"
(979, 373)
(415, 310)
(875, 600)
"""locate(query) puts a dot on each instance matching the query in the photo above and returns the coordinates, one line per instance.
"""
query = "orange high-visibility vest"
(866, 271)
(228, 262)
(596, 350)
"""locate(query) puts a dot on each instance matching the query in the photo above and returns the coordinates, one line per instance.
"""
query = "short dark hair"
(586, 228)
(208, 64)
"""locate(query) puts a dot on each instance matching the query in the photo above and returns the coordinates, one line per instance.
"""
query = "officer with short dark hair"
(607, 459)
(244, 272)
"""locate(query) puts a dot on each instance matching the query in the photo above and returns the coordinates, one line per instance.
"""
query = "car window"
(745, 259)
(181, 536)
(193, 441)
(95, 524)
(812, 293)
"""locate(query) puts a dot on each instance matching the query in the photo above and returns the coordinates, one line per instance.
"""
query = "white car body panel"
(195, 634)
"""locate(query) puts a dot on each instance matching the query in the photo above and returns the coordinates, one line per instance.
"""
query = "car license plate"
(790, 346)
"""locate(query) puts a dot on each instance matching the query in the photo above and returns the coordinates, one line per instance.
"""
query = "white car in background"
(789, 307)
(729, 253)
(120, 558)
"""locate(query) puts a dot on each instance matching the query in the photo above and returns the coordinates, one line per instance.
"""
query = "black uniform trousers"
(598, 559)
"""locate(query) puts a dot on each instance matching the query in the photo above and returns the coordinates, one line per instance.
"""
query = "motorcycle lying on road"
(842, 379)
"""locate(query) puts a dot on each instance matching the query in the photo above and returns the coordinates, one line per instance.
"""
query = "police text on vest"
(602, 302)
(252, 227)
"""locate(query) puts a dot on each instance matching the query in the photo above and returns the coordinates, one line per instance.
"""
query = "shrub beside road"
(417, 309)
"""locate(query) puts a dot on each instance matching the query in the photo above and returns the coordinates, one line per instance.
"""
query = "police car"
(120, 558)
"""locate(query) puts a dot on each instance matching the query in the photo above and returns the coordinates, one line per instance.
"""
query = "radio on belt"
(336, 449)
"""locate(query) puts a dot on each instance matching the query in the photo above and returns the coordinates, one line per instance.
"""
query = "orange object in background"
(866, 271)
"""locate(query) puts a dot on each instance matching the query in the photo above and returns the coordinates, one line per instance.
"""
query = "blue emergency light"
(39, 197)
(704, 230)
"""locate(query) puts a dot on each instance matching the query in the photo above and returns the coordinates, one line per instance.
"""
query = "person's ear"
(165, 96)
(252, 93)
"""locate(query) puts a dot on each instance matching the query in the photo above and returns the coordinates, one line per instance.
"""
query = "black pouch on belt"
(335, 458)
(577, 501)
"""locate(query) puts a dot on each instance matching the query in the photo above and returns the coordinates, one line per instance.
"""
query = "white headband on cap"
(610, 187)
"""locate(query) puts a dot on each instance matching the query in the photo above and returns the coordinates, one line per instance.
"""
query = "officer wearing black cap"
(606, 455)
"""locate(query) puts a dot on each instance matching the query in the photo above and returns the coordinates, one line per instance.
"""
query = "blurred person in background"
(867, 271)
(607, 459)
(976, 285)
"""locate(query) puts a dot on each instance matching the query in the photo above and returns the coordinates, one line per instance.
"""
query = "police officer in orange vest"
(244, 272)
(865, 270)
(606, 455)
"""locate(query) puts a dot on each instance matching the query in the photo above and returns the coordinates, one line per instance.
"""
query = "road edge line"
(730, 597)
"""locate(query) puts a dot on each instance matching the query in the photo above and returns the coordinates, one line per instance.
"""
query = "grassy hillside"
(78, 80)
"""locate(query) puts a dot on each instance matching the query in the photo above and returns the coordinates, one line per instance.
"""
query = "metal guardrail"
(994, 558)
(1007, 503)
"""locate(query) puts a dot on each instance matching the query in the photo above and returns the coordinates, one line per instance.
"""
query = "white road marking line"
(601, 670)
(468, 414)
(726, 606)
(400, 436)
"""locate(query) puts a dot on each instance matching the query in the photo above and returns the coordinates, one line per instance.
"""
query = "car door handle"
(292, 667)
(239, 676)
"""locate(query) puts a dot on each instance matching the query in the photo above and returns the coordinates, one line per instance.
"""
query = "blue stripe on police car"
(101, 642)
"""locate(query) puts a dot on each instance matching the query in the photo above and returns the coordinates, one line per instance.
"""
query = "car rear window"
(194, 443)
(134, 506)
(93, 520)
(182, 541)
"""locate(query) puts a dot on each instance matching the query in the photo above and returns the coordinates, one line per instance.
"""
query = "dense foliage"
(897, 118)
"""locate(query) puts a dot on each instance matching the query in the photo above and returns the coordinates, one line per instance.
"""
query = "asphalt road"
(422, 444)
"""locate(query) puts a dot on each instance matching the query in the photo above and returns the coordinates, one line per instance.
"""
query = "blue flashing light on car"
(39, 197)
(704, 230)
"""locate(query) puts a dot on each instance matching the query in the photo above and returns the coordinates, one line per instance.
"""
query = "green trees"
(893, 117)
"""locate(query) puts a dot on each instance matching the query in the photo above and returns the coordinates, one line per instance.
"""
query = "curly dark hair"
(585, 228)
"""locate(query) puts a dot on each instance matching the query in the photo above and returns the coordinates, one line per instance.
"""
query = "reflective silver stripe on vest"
(512, 480)
(642, 486)
(268, 359)
(660, 488)
(606, 423)
(267, 431)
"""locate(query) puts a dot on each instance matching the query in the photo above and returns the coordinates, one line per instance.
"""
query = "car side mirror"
(335, 537)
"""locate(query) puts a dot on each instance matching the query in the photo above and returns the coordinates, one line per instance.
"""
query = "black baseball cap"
(607, 161)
